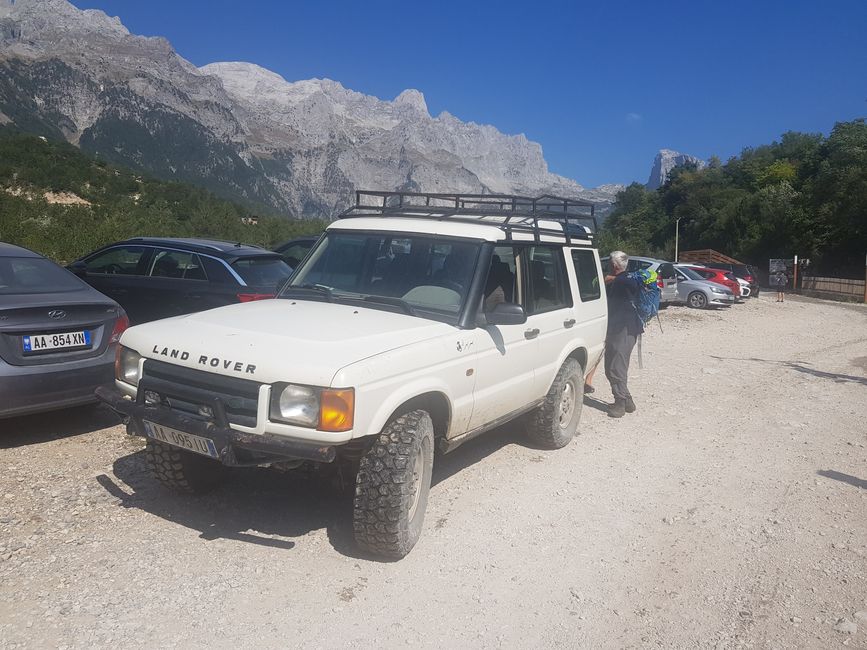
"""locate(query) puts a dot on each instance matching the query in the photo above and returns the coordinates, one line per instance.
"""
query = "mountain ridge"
(239, 129)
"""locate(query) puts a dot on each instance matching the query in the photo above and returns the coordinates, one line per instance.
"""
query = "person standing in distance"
(624, 326)
(780, 281)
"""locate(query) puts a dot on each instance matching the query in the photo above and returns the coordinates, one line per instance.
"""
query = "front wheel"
(553, 424)
(697, 300)
(392, 486)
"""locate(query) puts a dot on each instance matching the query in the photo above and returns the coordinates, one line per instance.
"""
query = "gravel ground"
(729, 511)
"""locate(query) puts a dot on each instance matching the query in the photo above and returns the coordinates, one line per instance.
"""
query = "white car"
(403, 328)
(745, 287)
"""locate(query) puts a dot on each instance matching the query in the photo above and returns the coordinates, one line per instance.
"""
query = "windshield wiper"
(310, 289)
(394, 302)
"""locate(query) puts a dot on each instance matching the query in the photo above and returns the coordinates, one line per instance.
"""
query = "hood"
(279, 340)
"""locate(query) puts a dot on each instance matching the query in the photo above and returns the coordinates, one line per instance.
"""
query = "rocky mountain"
(665, 161)
(241, 130)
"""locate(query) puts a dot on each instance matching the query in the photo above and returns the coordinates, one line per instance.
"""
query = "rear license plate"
(197, 444)
(45, 342)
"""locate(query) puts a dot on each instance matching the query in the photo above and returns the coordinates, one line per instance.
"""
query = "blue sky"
(602, 86)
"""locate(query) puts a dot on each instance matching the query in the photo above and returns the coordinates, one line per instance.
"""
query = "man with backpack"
(624, 327)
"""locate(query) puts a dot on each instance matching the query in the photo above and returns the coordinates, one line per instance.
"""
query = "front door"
(506, 355)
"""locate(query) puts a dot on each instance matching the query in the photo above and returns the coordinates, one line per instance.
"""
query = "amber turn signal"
(336, 409)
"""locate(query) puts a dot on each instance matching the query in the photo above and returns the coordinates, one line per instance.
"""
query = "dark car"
(157, 278)
(295, 250)
(745, 271)
(58, 336)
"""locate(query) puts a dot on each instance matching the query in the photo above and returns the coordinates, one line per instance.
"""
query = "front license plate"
(45, 342)
(204, 446)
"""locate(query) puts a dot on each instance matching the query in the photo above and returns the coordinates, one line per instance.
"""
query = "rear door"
(177, 284)
(549, 310)
(668, 290)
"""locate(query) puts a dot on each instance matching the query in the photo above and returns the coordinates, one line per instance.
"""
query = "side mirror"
(78, 268)
(506, 313)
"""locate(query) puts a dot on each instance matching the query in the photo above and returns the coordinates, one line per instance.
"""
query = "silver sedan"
(698, 293)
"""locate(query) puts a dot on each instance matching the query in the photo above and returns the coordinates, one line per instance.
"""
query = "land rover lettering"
(171, 353)
(227, 364)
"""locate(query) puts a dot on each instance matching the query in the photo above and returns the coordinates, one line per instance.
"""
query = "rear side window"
(34, 275)
(266, 272)
(588, 277)
(549, 288)
(177, 264)
(120, 260)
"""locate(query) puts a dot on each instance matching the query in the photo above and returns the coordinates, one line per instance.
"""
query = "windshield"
(692, 275)
(34, 275)
(262, 271)
(411, 273)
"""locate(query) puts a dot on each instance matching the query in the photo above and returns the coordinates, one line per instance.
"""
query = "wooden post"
(795, 280)
(865, 279)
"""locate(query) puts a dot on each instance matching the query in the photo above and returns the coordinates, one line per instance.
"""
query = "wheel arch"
(435, 403)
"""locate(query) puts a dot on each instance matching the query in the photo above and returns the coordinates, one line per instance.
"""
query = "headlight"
(126, 365)
(717, 290)
(308, 406)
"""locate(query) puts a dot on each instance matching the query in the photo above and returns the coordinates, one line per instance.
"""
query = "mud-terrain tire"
(697, 300)
(392, 486)
(183, 471)
(555, 422)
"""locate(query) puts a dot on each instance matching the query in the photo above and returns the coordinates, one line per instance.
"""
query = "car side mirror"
(506, 313)
(78, 268)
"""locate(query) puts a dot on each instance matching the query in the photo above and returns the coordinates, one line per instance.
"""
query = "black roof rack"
(509, 212)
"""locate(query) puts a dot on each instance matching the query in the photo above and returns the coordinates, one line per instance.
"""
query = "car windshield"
(266, 272)
(34, 275)
(689, 273)
(417, 274)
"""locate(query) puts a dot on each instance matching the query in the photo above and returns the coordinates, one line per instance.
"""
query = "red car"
(725, 278)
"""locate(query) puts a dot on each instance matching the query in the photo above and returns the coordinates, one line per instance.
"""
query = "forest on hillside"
(804, 195)
(62, 203)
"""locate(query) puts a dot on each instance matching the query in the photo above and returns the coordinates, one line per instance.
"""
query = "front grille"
(187, 391)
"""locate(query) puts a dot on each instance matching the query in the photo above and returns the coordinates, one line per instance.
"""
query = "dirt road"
(730, 510)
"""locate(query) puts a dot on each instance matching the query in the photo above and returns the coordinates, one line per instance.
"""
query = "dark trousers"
(618, 349)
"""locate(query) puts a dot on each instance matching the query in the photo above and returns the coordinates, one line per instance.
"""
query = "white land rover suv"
(416, 321)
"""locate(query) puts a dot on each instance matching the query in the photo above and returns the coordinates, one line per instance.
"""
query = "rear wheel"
(183, 471)
(555, 422)
(392, 486)
(697, 300)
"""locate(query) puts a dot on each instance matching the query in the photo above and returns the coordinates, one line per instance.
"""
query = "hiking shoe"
(629, 405)
(618, 409)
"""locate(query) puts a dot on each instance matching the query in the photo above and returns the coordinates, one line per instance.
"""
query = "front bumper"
(724, 301)
(235, 448)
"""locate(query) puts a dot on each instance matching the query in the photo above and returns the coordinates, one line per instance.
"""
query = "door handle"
(531, 334)
(568, 323)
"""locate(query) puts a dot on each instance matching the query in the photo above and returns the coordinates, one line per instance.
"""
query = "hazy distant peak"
(665, 161)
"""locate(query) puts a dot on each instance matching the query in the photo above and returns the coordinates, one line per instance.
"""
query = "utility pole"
(677, 246)
(865, 279)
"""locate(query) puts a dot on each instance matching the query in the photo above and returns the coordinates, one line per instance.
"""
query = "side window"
(549, 286)
(588, 278)
(121, 260)
(177, 264)
(502, 282)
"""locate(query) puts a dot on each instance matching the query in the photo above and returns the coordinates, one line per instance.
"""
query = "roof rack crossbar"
(506, 211)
